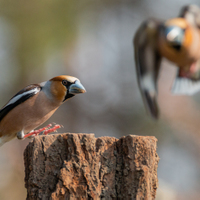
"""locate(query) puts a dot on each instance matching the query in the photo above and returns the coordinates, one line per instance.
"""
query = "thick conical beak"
(76, 88)
(175, 35)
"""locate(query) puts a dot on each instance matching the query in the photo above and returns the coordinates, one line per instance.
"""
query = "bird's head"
(173, 31)
(63, 87)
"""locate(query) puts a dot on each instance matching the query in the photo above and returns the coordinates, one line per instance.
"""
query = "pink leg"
(54, 129)
(45, 129)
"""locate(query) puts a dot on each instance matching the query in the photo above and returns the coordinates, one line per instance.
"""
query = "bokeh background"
(92, 40)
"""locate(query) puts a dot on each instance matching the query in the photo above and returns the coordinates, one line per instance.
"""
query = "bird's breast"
(27, 115)
(188, 53)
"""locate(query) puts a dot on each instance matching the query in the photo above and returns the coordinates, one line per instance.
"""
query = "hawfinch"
(34, 105)
(176, 39)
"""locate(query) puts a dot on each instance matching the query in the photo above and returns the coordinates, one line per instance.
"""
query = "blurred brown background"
(92, 40)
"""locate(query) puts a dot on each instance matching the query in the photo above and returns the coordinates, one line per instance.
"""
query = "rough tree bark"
(80, 166)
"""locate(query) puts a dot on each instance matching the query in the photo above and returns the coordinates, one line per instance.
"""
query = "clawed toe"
(45, 130)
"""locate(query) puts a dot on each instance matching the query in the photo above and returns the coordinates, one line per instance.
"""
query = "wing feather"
(148, 60)
(19, 98)
(192, 14)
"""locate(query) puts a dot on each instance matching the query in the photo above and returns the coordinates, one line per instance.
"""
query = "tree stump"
(80, 166)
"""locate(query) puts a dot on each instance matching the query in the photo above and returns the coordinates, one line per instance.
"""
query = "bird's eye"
(64, 82)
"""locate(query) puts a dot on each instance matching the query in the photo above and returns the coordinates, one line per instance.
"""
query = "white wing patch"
(185, 86)
(19, 96)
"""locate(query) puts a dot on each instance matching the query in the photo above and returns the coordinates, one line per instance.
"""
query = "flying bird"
(34, 105)
(177, 40)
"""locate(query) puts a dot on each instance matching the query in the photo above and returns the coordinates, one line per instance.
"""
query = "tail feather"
(151, 104)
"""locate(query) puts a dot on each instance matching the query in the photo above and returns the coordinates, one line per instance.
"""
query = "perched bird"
(176, 39)
(34, 105)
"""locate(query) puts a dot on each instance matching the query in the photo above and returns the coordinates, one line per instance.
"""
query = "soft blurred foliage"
(92, 40)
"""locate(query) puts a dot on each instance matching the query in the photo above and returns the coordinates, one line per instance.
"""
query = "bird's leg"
(54, 129)
(36, 132)
(45, 130)
(20, 135)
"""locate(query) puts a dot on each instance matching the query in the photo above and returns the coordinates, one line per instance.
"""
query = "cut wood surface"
(80, 166)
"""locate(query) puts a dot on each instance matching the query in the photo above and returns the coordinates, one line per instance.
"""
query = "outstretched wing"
(19, 98)
(192, 14)
(147, 60)
(188, 82)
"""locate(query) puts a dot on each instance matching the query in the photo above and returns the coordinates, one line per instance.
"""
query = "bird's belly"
(5, 139)
(31, 117)
(31, 122)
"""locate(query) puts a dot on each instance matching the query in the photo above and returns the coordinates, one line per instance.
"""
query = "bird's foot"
(45, 130)
(54, 129)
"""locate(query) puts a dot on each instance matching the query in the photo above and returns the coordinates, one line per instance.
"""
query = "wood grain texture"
(80, 166)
